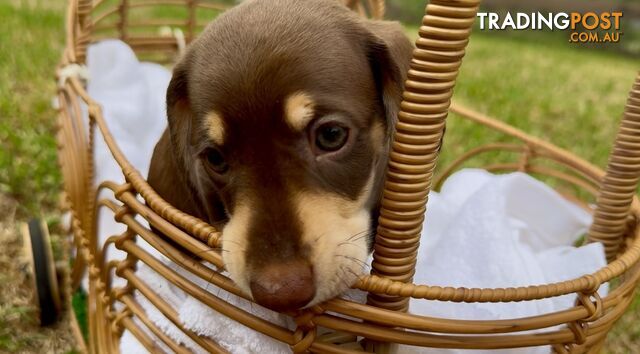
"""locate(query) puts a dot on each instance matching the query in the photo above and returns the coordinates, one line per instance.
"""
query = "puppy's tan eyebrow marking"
(215, 127)
(299, 109)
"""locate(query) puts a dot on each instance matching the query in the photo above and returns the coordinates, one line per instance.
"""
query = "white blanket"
(482, 230)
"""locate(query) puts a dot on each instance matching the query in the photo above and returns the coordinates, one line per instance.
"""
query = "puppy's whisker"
(234, 242)
(362, 234)
(355, 260)
(367, 230)
(357, 237)
(209, 281)
(352, 272)
(363, 268)
(341, 278)
(319, 237)
(352, 244)
(180, 262)
(355, 275)
(196, 254)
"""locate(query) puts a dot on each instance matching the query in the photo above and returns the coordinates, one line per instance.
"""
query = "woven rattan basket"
(383, 321)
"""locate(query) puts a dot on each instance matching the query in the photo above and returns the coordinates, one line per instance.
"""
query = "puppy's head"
(279, 117)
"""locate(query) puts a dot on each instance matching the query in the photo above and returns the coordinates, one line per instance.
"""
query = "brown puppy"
(280, 116)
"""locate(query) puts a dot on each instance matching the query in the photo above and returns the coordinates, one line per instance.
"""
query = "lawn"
(571, 96)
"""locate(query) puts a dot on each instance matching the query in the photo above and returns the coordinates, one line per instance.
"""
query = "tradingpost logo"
(588, 27)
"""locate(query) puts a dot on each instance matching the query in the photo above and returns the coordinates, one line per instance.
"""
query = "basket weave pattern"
(444, 35)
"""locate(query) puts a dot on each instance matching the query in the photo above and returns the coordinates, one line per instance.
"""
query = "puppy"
(280, 117)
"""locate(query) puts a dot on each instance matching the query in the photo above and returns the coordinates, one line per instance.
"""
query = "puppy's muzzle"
(283, 286)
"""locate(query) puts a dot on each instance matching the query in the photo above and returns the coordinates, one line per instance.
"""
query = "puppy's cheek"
(340, 257)
(336, 232)
(234, 245)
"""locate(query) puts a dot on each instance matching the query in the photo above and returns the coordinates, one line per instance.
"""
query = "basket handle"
(620, 182)
(77, 22)
(444, 35)
(84, 8)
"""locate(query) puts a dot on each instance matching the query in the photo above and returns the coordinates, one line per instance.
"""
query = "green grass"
(30, 43)
(539, 83)
(79, 303)
(572, 97)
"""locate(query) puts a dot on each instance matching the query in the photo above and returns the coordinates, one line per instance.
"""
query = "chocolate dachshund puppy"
(280, 117)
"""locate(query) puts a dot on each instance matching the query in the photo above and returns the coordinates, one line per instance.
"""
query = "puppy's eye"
(216, 160)
(331, 137)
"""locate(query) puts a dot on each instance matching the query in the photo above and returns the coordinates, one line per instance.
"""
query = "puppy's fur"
(252, 87)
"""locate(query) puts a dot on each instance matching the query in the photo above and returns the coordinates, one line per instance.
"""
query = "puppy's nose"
(284, 286)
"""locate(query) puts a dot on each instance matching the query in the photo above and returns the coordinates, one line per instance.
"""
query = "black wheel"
(37, 246)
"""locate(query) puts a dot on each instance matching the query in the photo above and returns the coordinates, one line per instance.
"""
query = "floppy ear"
(171, 171)
(179, 113)
(389, 52)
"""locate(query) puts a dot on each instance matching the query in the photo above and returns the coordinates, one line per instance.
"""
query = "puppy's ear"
(389, 52)
(170, 173)
(179, 113)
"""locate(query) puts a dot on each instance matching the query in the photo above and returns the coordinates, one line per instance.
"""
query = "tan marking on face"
(234, 244)
(215, 127)
(299, 110)
(335, 229)
(378, 136)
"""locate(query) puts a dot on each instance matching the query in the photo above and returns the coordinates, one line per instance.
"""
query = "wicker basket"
(383, 321)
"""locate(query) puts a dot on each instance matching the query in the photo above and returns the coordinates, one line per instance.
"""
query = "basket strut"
(83, 18)
(444, 34)
(620, 181)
